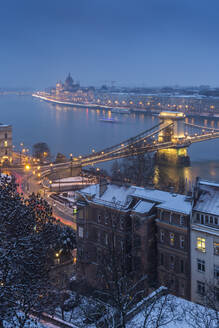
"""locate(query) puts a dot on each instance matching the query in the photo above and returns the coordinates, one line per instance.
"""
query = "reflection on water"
(177, 179)
(182, 179)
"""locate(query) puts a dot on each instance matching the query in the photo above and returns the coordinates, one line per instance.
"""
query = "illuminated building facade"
(5, 143)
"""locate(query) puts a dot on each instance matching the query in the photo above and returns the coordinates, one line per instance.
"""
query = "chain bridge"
(169, 140)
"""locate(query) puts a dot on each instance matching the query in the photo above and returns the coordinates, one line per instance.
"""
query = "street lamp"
(71, 158)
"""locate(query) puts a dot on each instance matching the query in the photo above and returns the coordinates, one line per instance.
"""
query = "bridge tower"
(173, 132)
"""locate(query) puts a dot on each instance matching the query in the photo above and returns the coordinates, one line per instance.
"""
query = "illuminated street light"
(27, 167)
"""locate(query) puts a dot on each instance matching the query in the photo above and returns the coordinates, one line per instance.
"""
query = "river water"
(78, 130)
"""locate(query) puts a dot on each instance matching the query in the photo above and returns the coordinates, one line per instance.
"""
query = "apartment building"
(205, 242)
(133, 218)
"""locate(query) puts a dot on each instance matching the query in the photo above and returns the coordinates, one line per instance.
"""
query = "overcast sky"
(132, 42)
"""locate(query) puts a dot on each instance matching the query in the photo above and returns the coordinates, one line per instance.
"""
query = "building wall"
(173, 252)
(99, 228)
(204, 260)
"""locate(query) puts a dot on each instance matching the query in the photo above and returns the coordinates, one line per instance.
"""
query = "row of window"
(201, 268)
(115, 220)
(172, 262)
(201, 245)
(171, 238)
(206, 219)
(170, 217)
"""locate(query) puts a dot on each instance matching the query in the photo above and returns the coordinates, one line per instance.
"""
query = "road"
(27, 184)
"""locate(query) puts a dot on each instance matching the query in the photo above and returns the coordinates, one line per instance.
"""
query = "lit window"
(200, 265)
(5, 143)
(200, 244)
(171, 239)
(216, 248)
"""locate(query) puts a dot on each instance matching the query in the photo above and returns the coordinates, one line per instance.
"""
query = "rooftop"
(121, 196)
(208, 201)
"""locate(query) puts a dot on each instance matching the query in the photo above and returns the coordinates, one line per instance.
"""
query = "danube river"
(79, 130)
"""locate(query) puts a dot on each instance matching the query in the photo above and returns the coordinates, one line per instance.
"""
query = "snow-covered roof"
(143, 207)
(208, 201)
(114, 196)
(120, 196)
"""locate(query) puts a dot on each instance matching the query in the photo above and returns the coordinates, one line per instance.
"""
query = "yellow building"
(5, 143)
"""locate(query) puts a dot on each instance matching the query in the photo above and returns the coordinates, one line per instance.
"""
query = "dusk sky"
(141, 42)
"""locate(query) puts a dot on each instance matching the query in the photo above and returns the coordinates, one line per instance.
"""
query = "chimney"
(102, 186)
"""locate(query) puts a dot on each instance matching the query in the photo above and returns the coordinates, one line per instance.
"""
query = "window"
(181, 220)
(182, 266)
(171, 262)
(182, 241)
(122, 220)
(171, 217)
(202, 219)
(161, 215)
(216, 221)
(206, 219)
(106, 238)
(216, 248)
(161, 259)
(198, 217)
(216, 271)
(106, 219)
(200, 265)
(98, 236)
(182, 289)
(211, 219)
(200, 287)
(6, 152)
(5, 143)
(172, 239)
(200, 244)
(99, 218)
(6, 135)
(161, 236)
(216, 294)
(80, 232)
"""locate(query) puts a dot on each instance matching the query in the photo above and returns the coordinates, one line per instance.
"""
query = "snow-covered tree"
(28, 236)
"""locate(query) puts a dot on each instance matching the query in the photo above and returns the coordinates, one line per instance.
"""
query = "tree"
(28, 237)
(136, 170)
(60, 158)
(41, 151)
(207, 314)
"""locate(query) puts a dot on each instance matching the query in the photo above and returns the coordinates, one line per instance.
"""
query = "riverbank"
(152, 112)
